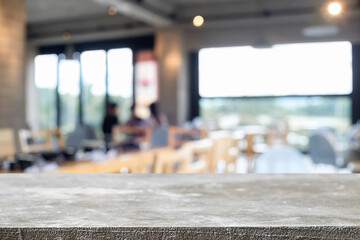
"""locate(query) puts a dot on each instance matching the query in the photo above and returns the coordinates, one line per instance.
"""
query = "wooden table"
(111, 165)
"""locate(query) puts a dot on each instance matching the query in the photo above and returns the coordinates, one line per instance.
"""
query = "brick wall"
(12, 45)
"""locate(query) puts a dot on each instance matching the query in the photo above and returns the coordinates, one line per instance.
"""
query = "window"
(93, 66)
(120, 82)
(305, 85)
(301, 114)
(99, 73)
(46, 82)
(292, 69)
(69, 90)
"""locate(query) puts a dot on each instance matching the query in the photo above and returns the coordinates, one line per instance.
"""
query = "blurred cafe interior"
(179, 86)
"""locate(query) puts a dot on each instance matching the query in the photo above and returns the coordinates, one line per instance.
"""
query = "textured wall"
(12, 44)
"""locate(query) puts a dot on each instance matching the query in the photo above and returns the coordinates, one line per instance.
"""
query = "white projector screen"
(291, 69)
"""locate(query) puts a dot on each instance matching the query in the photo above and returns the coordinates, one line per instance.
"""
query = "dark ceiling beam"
(137, 10)
(161, 5)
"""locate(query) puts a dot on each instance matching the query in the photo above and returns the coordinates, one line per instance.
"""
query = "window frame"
(194, 104)
(81, 112)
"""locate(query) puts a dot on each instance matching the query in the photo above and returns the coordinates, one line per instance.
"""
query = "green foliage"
(94, 109)
(303, 114)
(46, 108)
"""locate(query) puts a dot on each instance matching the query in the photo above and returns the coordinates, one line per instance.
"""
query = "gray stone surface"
(179, 207)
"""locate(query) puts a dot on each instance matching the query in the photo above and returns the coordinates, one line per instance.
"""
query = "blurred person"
(134, 120)
(157, 118)
(132, 139)
(110, 120)
(159, 124)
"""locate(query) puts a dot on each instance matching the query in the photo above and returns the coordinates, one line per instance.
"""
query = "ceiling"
(51, 17)
(53, 10)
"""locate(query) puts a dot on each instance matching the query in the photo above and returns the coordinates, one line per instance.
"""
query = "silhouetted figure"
(157, 118)
(110, 120)
(134, 120)
(159, 124)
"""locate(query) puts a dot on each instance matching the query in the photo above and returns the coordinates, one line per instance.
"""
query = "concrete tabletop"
(179, 206)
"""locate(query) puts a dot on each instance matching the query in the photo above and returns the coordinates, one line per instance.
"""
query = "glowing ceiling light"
(66, 36)
(112, 11)
(334, 8)
(198, 21)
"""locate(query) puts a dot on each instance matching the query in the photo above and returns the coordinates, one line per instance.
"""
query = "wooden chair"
(201, 155)
(223, 144)
(35, 141)
(251, 149)
(178, 136)
(172, 161)
(254, 149)
(7, 143)
(60, 138)
(232, 157)
(145, 161)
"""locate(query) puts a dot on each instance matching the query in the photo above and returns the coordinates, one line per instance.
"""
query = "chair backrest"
(159, 137)
(202, 151)
(222, 143)
(178, 136)
(281, 159)
(35, 141)
(250, 141)
(82, 133)
(7, 143)
(172, 161)
(321, 147)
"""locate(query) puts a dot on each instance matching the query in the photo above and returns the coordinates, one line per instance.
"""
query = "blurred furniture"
(252, 147)
(223, 148)
(352, 153)
(7, 143)
(322, 147)
(124, 164)
(177, 136)
(231, 159)
(145, 161)
(35, 141)
(281, 159)
(138, 135)
(133, 162)
(159, 137)
(201, 152)
(115, 165)
(252, 141)
(354, 166)
(77, 139)
(173, 161)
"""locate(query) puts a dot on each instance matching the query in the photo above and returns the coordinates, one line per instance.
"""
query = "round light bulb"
(112, 11)
(334, 8)
(66, 36)
(198, 21)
